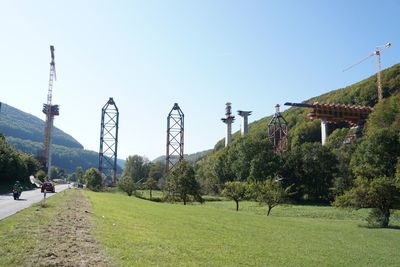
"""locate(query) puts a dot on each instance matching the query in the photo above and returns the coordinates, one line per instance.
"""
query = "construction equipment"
(50, 110)
(335, 113)
(278, 132)
(228, 120)
(376, 53)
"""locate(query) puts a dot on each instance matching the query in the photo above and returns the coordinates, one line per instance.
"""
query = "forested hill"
(314, 172)
(195, 157)
(19, 124)
(25, 132)
(362, 93)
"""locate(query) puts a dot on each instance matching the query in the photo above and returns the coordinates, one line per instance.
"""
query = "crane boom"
(359, 62)
(301, 105)
(377, 53)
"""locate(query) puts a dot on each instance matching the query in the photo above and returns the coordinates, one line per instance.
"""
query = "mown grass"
(136, 232)
(305, 211)
(20, 233)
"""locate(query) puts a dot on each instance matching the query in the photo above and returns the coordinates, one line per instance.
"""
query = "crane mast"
(50, 111)
(376, 53)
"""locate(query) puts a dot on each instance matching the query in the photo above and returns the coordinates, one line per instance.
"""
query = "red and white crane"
(377, 53)
(50, 110)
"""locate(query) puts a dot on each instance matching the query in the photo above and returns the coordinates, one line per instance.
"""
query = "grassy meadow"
(137, 232)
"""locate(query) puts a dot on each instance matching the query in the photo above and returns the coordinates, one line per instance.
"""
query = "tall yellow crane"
(377, 53)
(50, 110)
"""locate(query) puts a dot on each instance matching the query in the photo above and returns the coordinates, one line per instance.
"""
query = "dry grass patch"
(67, 240)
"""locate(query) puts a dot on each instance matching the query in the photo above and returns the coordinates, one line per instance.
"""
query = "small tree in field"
(182, 183)
(381, 194)
(93, 179)
(127, 185)
(236, 191)
(270, 192)
(151, 185)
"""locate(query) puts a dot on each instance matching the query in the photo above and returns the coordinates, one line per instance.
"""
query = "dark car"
(48, 187)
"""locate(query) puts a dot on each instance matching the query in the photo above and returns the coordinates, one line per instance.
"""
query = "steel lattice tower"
(278, 132)
(50, 110)
(175, 130)
(109, 140)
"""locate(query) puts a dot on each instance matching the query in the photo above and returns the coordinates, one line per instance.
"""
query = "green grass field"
(136, 232)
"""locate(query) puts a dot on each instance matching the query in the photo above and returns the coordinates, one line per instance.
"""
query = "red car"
(47, 187)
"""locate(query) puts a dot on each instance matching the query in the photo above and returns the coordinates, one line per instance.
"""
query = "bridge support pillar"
(324, 130)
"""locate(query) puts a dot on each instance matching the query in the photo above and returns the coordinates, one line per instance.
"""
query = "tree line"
(15, 165)
(364, 173)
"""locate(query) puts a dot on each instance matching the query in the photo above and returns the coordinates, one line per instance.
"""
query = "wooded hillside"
(25, 132)
(317, 173)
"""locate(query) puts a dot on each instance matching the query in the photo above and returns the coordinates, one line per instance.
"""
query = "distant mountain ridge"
(25, 132)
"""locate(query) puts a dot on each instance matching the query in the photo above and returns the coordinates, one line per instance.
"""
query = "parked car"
(48, 187)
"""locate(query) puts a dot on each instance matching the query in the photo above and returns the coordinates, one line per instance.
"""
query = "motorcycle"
(16, 194)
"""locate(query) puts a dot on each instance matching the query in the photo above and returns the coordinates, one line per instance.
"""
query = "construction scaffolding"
(355, 116)
(228, 120)
(109, 140)
(175, 137)
(278, 132)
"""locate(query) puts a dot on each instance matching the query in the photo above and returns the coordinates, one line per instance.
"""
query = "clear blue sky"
(201, 54)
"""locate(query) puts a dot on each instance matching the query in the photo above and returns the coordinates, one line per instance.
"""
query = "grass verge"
(20, 233)
(55, 234)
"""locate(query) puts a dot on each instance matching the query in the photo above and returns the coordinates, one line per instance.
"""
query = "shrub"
(94, 180)
(127, 185)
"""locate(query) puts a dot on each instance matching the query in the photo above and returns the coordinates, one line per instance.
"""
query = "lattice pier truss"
(175, 137)
(109, 140)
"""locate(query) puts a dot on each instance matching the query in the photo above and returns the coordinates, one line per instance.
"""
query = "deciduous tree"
(311, 168)
(182, 184)
(382, 194)
(377, 154)
(237, 191)
(127, 185)
(93, 179)
(135, 168)
(270, 192)
(151, 184)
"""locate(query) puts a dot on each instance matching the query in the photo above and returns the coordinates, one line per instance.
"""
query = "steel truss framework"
(50, 110)
(109, 140)
(175, 134)
(278, 132)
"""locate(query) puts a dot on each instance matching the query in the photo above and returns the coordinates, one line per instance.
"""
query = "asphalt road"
(9, 206)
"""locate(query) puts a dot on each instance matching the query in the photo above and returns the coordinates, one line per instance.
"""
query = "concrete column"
(228, 120)
(228, 137)
(244, 127)
(324, 130)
